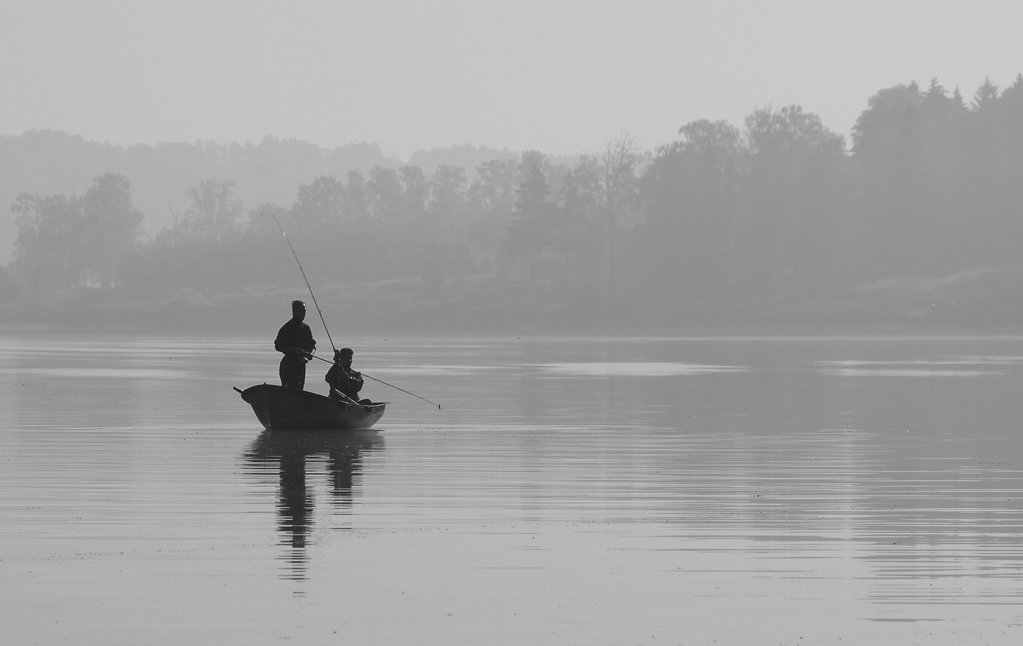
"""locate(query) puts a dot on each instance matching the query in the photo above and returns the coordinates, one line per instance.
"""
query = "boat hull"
(280, 409)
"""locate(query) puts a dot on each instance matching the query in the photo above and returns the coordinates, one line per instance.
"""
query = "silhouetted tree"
(213, 210)
(985, 96)
(68, 242)
(578, 233)
(447, 202)
(445, 234)
(784, 229)
(414, 191)
(618, 185)
(889, 179)
(491, 200)
(690, 195)
(46, 251)
(110, 229)
(944, 133)
(385, 193)
(356, 197)
(529, 234)
(1010, 162)
(319, 208)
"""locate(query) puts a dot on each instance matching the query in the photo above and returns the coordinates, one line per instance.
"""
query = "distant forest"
(921, 211)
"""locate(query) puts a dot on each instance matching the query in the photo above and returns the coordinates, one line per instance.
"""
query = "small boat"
(280, 409)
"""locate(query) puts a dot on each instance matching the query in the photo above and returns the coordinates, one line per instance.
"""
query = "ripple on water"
(635, 369)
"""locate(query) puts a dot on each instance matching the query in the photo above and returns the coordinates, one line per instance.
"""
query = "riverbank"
(978, 299)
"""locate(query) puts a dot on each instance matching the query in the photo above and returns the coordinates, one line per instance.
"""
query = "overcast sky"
(562, 77)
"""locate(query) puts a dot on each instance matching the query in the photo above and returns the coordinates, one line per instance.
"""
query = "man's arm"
(309, 341)
(288, 344)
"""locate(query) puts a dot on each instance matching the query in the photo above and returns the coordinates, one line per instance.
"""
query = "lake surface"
(569, 491)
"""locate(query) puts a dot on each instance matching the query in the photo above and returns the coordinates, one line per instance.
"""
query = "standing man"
(295, 340)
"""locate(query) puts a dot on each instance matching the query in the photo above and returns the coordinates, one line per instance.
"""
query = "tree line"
(778, 210)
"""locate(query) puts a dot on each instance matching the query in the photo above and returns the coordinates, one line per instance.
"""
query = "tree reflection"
(292, 454)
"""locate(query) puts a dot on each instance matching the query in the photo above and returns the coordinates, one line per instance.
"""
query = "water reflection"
(293, 455)
(613, 482)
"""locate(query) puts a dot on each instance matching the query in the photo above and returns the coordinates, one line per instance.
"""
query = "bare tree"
(617, 183)
(214, 210)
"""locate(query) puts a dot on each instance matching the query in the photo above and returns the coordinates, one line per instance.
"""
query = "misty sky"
(562, 77)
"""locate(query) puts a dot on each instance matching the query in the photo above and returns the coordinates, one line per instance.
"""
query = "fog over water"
(570, 490)
(699, 323)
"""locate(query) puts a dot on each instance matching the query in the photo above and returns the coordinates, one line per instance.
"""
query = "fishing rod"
(310, 287)
(320, 312)
(401, 389)
(409, 392)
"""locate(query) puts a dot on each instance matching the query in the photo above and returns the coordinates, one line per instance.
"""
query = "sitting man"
(345, 383)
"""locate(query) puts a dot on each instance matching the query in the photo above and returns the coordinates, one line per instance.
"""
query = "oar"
(407, 392)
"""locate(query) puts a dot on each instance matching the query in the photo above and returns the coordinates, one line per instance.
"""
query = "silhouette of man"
(295, 340)
(345, 383)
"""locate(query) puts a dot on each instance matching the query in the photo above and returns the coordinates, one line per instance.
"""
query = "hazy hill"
(270, 172)
(48, 162)
(465, 156)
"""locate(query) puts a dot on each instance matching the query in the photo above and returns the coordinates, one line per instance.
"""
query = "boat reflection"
(294, 453)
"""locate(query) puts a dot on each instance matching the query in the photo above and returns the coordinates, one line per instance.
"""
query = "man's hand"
(305, 355)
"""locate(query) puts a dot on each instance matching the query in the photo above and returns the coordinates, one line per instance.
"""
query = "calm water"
(570, 491)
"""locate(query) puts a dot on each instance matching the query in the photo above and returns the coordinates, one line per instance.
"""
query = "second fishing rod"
(324, 322)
